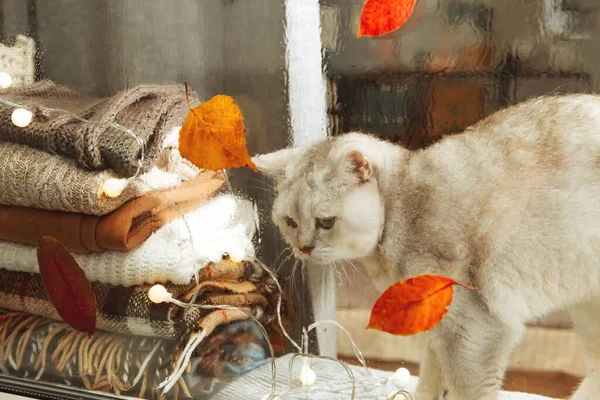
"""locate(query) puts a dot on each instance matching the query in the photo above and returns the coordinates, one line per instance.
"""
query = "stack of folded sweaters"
(166, 222)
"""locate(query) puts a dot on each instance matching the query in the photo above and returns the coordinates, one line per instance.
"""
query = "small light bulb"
(5, 80)
(401, 376)
(114, 187)
(21, 117)
(159, 294)
(237, 254)
(307, 375)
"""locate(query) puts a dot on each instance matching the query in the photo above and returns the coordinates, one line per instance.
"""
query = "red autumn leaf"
(68, 288)
(212, 136)
(412, 306)
(380, 17)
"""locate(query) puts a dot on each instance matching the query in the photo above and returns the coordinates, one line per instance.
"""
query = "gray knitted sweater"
(150, 111)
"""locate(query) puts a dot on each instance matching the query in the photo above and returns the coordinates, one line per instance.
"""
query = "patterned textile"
(38, 348)
(232, 350)
(129, 310)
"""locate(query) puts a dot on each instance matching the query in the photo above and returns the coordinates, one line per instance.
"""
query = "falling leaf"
(413, 306)
(380, 17)
(68, 288)
(212, 136)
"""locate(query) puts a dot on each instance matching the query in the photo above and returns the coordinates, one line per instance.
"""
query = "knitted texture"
(149, 111)
(33, 178)
(333, 383)
(171, 254)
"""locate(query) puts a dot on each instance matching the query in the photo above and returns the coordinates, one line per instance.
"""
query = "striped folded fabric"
(129, 310)
(39, 348)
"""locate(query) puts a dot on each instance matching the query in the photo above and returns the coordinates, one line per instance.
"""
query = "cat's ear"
(358, 165)
(274, 164)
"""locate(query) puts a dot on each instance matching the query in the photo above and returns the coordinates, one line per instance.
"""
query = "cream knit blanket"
(333, 383)
(33, 178)
(225, 224)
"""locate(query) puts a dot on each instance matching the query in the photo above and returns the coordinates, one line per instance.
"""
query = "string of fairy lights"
(22, 117)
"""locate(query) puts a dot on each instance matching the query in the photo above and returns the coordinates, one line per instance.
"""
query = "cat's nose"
(307, 249)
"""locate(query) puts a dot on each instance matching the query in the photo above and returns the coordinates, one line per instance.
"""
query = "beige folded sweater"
(33, 178)
(149, 111)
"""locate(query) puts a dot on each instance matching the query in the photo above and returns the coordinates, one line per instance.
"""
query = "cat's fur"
(511, 207)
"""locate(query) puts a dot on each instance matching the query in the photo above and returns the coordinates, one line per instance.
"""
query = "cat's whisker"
(266, 190)
(293, 278)
(284, 261)
(303, 274)
(342, 281)
(262, 182)
(280, 254)
(280, 261)
(358, 272)
(347, 279)
(337, 270)
(350, 281)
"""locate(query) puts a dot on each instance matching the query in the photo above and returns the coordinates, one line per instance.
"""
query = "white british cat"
(511, 207)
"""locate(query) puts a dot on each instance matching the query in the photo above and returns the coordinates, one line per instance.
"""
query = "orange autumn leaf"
(380, 17)
(212, 136)
(412, 306)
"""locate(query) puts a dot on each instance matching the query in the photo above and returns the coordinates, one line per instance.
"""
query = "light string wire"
(303, 351)
(194, 341)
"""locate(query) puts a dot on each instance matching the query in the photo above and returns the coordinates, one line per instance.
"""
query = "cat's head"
(328, 206)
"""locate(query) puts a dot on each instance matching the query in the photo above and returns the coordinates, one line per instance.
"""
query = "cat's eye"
(291, 223)
(325, 223)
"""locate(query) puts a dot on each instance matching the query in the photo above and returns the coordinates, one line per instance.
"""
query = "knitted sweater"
(224, 224)
(33, 178)
(150, 111)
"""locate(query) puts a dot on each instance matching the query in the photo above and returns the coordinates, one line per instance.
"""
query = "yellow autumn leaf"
(212, 136)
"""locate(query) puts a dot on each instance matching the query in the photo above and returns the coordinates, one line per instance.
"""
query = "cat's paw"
(425, 395)
(428, 396)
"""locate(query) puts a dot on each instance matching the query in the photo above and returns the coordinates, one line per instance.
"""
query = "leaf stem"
(37, 227)
(466, 286)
